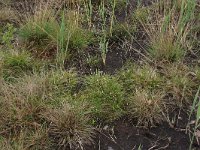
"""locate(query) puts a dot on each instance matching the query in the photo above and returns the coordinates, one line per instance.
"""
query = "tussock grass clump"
(105, 97)
(22, 112)
(180, 83)
(7, 15)
(43, 102)
(144, 98)
(39, 32)
(168, 27)
(163, 47)
(49, 36)
(69, 128)
(27, 139)
(146, 106)
(17, 63)
(133, 76)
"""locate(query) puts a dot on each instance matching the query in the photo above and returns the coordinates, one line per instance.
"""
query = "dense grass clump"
(133, 76)
(180, 83)
(146, 106)
(17, 63)
(33, 104)
(105, 97)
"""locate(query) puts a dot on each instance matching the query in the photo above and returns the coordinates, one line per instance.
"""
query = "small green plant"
(8, 36)
(196, 104)
(62, 49)
(113, 5)
(103, 45)
(15, 63)
(89, 8)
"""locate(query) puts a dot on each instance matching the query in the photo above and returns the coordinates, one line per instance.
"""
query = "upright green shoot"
(197, 123)
(62, 47)
(103, 39)
(112, 16)
(89, 8)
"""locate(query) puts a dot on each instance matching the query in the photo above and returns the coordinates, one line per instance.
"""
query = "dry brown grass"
(146, 106)
(68, 128)
(7, 14)
(34, 116)
(180, 83)
(168, 30)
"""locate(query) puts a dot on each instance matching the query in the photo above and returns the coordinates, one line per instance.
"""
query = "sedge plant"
(103, 39)
(196, 103)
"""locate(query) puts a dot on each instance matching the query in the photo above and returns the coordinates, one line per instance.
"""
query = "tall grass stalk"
(103, 39)
(62, 47)
(197, 123)
(186, 14)
(112, 16)
(89, 8)
(104, 48)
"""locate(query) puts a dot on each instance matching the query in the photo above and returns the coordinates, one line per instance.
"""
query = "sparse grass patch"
(121, 31)
(140, 15)
(168, 29)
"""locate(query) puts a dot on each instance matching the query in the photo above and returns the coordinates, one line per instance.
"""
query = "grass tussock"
(69, 127)
(133, 76)
(168, 27)
(180, 83)
(32, 105)
(146, 107)
(105, 97)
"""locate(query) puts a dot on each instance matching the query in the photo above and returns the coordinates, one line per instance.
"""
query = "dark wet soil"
(128, 137)
(124, 135)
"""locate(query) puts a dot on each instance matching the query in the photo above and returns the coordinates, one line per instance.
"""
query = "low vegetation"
(57, 84)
